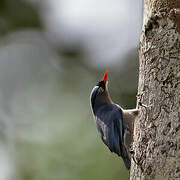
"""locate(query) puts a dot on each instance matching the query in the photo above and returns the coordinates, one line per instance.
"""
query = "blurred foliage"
(79, 152)
(61, 142)
(17, 14)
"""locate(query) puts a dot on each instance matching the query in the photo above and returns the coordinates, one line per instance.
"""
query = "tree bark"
(156, 146)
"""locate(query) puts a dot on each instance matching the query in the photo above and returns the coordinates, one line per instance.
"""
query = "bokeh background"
(52, 53)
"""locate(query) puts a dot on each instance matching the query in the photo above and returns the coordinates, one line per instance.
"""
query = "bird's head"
(99, 94)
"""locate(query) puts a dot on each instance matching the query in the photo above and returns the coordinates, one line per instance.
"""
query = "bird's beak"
(105, 77)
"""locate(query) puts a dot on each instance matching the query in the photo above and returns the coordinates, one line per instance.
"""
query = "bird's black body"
(109, 121)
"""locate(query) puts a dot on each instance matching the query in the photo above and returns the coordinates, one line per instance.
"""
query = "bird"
(114, 124)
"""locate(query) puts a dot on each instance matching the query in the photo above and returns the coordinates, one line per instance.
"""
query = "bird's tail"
(126, 159)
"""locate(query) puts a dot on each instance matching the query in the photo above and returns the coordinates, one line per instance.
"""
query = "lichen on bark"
(157, 131)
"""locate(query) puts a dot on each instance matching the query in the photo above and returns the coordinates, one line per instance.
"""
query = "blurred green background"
(47, 131)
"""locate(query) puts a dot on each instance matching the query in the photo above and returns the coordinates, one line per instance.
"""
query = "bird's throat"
(102, 100)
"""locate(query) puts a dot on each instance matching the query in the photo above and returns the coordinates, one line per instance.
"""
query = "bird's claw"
(145, 106)
(139, 103)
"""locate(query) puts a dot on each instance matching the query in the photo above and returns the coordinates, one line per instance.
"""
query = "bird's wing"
(110, 126)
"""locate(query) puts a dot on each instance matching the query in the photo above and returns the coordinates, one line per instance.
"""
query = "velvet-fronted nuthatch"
(115, 125)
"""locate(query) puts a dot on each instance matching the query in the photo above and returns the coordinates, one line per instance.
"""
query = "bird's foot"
(139, 102)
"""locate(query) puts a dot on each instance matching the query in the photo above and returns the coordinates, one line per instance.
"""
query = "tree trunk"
(156, 144)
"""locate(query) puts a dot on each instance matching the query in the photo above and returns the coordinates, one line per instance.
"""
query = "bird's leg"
(139, 102)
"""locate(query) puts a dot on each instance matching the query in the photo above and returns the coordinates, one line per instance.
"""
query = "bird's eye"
(100, 90)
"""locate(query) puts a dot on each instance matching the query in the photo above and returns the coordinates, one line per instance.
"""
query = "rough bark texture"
(156, 144)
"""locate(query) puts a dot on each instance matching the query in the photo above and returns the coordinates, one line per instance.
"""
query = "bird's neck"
(104, 99)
